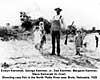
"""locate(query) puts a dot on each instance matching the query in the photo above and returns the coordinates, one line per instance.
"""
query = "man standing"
(55, 30)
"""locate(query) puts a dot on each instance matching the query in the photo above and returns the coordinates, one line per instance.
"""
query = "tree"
(26, 21)
(29, 23)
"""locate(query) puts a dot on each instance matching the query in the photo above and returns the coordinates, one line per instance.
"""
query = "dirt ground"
(23, 54)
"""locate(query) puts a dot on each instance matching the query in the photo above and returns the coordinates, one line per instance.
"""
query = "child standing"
(43, 39)
(78, 42)
(37, 37)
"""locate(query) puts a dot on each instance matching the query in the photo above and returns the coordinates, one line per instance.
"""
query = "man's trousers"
(56, 37)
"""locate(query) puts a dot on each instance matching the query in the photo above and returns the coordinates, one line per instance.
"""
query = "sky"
(85, 13)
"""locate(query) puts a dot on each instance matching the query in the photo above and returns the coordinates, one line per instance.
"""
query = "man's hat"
(58, 9)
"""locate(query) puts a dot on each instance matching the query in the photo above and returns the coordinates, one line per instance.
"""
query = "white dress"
(37, 37)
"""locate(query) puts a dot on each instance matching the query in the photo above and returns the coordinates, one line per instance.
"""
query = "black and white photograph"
(54, 35)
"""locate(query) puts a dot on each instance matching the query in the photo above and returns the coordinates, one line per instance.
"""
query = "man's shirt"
(56, 23)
